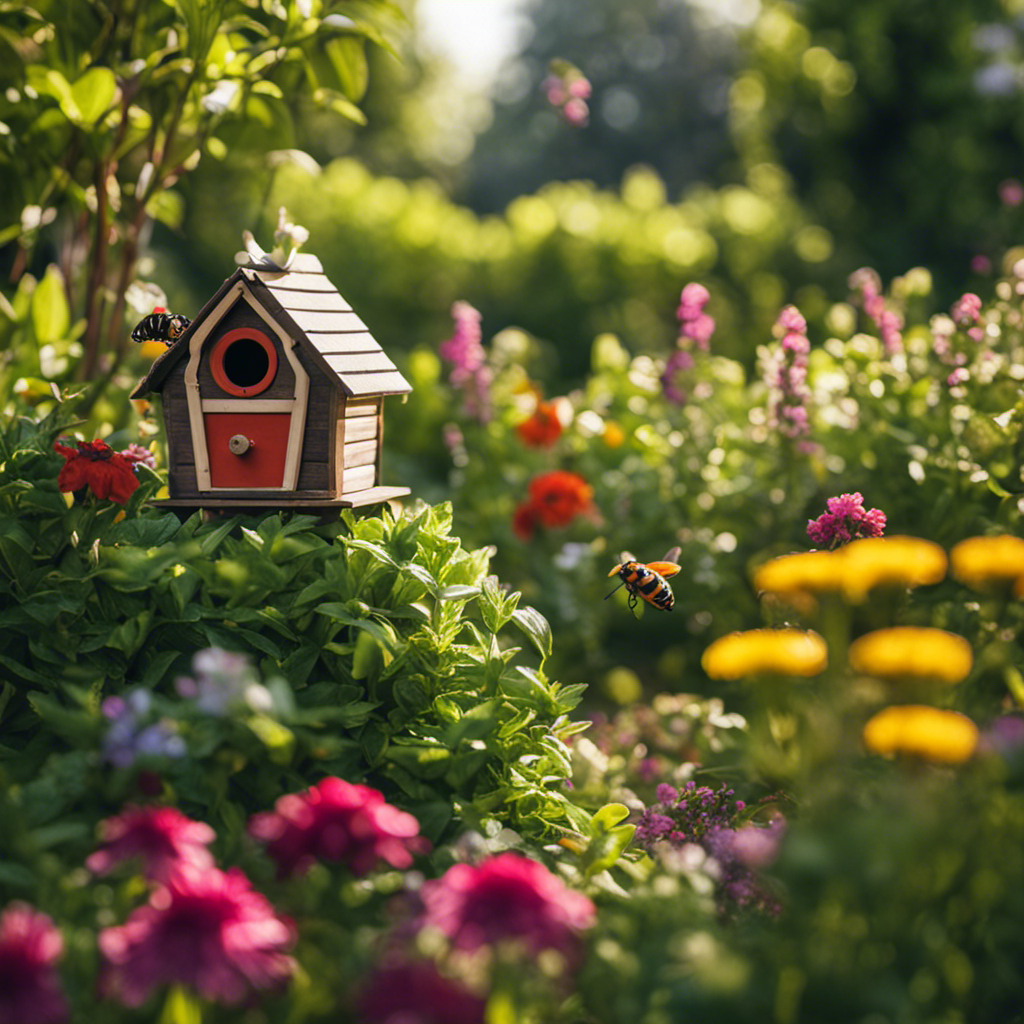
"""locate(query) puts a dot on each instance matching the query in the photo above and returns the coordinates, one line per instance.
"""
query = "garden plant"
(429, 761)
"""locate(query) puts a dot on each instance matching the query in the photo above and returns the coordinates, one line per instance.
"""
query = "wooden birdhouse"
(273, 396)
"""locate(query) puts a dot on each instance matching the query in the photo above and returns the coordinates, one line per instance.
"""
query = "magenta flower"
(204, 928)
(506, 897)
(845, 519)
(671, 378)
(337, 821)
(162, 838)
(30, 946)
(1011, 192)
(787, 375)
(470, 373)
(567, 90)
(415, 993)
(966, 311)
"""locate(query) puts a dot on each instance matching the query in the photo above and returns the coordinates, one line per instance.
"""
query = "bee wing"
(664, 568)
(616, 569)
(672, 554)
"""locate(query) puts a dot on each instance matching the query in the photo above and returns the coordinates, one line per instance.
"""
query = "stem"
(97, 276)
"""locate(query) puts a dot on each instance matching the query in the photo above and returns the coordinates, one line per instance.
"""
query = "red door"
(247, 449)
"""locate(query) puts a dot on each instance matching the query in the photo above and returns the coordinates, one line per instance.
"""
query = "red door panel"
(262, 464)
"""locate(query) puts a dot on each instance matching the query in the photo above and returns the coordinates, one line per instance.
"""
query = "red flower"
(161, 837)
(96, 465)
(524, 521)
(543, 428)
(415, 993)
(204, 928)
(558, 497)
(506, 897)
(336, 820)
(30, 945)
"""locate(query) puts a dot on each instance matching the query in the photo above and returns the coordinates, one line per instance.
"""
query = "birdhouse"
(273, 396)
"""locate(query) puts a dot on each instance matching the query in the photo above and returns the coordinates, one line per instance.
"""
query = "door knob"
(239, 444)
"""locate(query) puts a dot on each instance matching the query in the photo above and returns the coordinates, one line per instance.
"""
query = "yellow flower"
(807, 572)
(889, 561)
(979, 562)
(613, 435)
(918, 651)
(790, 652)
(921, 731)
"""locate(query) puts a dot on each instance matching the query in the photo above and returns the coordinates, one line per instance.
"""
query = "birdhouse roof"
(314, 313)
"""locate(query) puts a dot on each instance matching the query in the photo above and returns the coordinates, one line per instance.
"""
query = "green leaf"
(536, 627)
(93, 93)
(607, 817)
(347, 55)
(457, 592)
(51, 316)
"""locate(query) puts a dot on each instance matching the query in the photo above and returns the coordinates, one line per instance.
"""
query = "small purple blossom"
(695, 329)
(470, 373)
(678, 364)
(135, 730)
(705, 817)
(845, 519)
(1011, 192)
(567, 89)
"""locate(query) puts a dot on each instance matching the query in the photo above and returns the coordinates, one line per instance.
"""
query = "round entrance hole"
(244, 362)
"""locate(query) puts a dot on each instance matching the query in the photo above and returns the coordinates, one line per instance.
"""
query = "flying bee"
(161, 326)
(647, 580)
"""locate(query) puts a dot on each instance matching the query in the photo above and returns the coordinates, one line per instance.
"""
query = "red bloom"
(161, 837)
(524, 521)
(336, 820)
(558, 497)
(506, 897)
(543, 428)
(204, 928)
(415, 993)
(96, 465)
(30, 945)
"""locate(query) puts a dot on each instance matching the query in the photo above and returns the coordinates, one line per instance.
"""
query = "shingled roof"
(315, 314)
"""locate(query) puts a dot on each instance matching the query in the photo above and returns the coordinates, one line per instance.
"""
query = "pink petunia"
(207, 929)
(30, 946)
(507, 897)
(337, 821)
(162, 838)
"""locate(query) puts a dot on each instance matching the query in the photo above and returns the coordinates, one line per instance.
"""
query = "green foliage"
(387, 673)
(104, 113)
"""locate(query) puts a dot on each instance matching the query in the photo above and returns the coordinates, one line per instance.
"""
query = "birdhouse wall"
(358, 444)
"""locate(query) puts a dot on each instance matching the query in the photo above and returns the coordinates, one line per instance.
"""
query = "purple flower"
(845, 519)
(678, 364)
(225, 682)
(694, 324)
(30, 946)
(888, 322)
(135, 731)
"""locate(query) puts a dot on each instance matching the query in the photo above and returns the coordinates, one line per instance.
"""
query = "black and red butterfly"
(161, 326)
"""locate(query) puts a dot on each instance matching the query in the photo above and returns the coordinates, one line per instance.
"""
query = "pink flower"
(415, 993)
(137, 455)
(161, 837)
(30, 946)
(966, 311)
(1011, 192)
(846, 519)
(758, 846)
(470, 373)
(576, 112)
(889, 323)
(787, 375)
(204, 928)
(694, 323)
(506, 897)
(337, 821)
